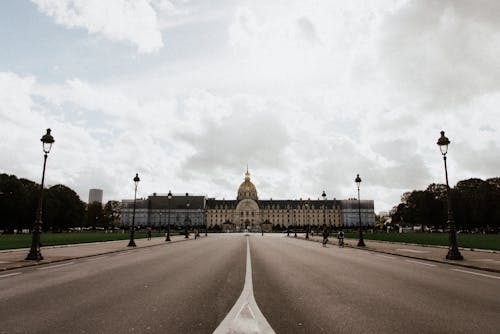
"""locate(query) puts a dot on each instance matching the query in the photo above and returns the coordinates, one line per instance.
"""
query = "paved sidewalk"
(14, 258)
(474, 259)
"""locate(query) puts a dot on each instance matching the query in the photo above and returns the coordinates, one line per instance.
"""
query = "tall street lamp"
(132, 229)
(324, 207)
(453, 252)
(160, 222)
(307, 221)
(169, 197)
(361, 242)
(186, 231)
(35, 253)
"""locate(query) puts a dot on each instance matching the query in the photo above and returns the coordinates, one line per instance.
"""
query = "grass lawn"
(484, 241)
(11, 241)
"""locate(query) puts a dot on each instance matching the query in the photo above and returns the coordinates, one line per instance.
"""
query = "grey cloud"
(307, 31)
(245, 136)
(443, 52)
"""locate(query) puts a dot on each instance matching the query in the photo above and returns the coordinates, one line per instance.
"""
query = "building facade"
(247, 211)
(158, 211)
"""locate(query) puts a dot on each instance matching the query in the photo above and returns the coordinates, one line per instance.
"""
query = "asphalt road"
(299, 287)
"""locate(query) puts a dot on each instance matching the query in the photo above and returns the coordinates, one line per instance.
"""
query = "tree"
(112, 214)
(64, 209)
(95, 215)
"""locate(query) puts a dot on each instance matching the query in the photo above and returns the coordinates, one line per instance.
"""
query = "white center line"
(7, 275)
(422, 263)
(56, 266)
(245, 316)
(474, 273)
(386, 256)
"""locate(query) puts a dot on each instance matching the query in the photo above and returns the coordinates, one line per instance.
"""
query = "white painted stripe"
(422, 263)
(7, 275)
(96, 258)
(474, 273)
(245, 316)
(4, 261)
(412, 250)
(56, 266)
(386, 256)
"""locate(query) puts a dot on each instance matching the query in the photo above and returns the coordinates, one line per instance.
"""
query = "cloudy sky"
(307, 93)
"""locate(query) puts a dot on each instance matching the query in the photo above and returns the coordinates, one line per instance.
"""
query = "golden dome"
(247, 189)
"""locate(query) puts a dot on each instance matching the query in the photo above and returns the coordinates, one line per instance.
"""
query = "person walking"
(149, 233)
(325, 236)
(340, 236)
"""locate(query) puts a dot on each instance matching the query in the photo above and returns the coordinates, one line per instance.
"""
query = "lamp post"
(159, 223)
(187, 218)
(132, 229)
(35, 253)
(361, 242)
(324, 207)
(453, 252)
(169, 197)
(307, 220)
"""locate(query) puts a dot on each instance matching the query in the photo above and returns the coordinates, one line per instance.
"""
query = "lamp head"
(169, 195)
(47, 141)
(323, 195)
(443, 143)
(357, 180)
(136, 179)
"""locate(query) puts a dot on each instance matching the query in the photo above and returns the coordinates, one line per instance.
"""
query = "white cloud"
(307, 95)
(134, 21)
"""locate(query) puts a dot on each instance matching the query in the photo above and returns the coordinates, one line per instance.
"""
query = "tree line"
(475, 204)
(62, 207)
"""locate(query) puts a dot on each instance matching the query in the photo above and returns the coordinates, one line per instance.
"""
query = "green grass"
(12, 241)
(483, 241)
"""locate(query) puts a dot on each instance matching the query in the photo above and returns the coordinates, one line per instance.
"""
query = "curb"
(40, 263)
(458, 264)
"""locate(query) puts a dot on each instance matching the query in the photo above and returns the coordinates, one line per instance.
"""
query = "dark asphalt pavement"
(300, 287)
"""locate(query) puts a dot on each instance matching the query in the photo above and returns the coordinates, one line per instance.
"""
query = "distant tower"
(95, 195)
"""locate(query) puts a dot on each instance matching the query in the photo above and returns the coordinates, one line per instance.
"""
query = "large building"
(247, 211)
(95, 195)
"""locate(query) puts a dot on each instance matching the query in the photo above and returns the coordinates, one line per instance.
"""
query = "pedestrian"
(325, 236)
(340, 236)
(149, 234)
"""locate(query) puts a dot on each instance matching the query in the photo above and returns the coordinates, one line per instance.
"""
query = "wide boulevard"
(244, 284)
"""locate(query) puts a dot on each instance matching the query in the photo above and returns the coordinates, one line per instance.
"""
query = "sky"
(308, 94)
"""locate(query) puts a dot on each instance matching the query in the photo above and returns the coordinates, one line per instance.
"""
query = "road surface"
(297, 286)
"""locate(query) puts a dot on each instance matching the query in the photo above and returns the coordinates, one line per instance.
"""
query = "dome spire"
(247, 175)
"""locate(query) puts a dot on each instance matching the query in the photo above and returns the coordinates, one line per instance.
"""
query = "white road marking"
(245, 316)
(386, 256)
(486, 260)
(7, 275)
(96, 258)
(411, 250)
(56, 266)
(4, 261)
(474, 273)
(422, 263)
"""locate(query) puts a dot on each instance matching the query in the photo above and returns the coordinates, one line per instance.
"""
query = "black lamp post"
(361, 242)
(206, 220)
(186, 231)
(307, 220)
(453, 252)
(132, 229)
(324, 207)
(169, 197)
(160, 222)
(35, 253)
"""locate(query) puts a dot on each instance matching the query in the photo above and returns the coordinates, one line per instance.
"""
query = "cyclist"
(340, 236)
